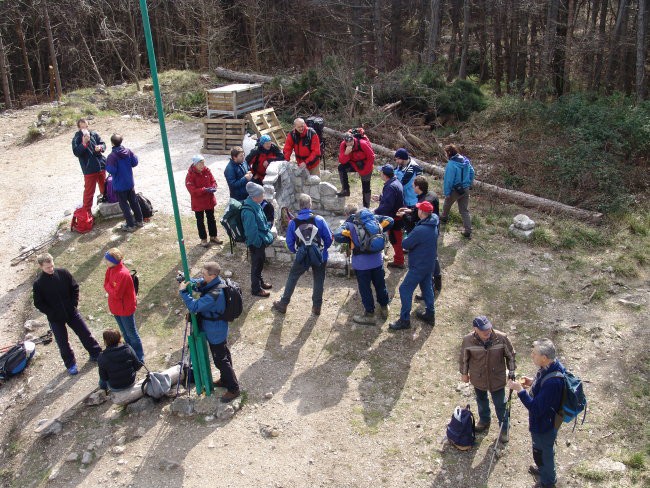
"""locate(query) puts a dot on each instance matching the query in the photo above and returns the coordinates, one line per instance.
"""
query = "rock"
(611, 466)
(269, 431)
(140, 431)
(30, 325)
(118, 449)
(72, 457)
(523, 222)
(225, 411)
(121, 440)
(167, 465)
(268, 395)
(327, 189)
(629, 303)
(53, 475)
(67, 213)
(227, 274)
(313, 180)
(96, 398)
(141, 405)
(517, 232)
(86, 458)
(52, 429)
(182, 407)
(207, 405)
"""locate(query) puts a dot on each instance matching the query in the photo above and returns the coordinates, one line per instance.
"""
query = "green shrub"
(636, 461)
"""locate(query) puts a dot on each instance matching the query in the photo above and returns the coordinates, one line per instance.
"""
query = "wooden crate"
(266, 122)
(220, 135)
(234, 100)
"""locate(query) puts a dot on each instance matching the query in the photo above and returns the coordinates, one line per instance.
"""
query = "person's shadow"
(458, 468)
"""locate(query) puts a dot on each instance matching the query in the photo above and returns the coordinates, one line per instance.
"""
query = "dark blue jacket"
(216, 331)
(90, 161)
(543, 401)
(323, 232)
(422, 245)
(392, 198)
(120, 164)
(117, 365)
(256, 228)
(234, 174)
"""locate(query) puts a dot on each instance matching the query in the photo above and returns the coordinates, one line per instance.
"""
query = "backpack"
(145, 206)
(359, 134)
(461, 430)
(309, 242)
(15, 360)
(82, 221)
(318, 124)
(156, 385)
(574, 400)
(109, 193)
(136, 280)
(234, 303)
(371, 236)
(232, 223)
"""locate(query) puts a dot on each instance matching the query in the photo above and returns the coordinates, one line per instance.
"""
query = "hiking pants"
(395, 238)
(258, 255)
(376, 278)
(129, 201)
(200, 223)
(499, 401)
(79, 327)
(223, 361)
(544, 456)
(463, 208)
(411, 281)
(344, 169)
(130, 334)
(296, 271)
(90, 181)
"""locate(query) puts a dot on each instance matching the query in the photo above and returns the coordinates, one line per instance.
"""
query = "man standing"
(120, 164)
(459, 176)
(422, 244)
(390, 201)
(406, 171)
(305, 143)
(210, 306)
(543, 402)
(237, 174)
(56, 294)
(484, 354)
(88, 147)
(356, 155)
(306, 229)
(259, 158)
(258, 236)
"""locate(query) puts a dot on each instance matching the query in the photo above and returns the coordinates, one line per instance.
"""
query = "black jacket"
(411, 219)
(56, 295)
(117, 365)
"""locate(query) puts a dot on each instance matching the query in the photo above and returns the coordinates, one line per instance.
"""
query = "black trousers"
(223, 361)
(200, 224)
(344, 169)
(79, 327)
(257, 265)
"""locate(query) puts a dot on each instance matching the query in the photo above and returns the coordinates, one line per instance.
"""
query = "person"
(543, 402)
(356, 155)
(422, 244)
(201, 184)
(484, 354)
(305, 143)
(258, 237)
(56, 294)
(117, 364)
(122, 300)
(88, 146)
(368, 268)
(259, 158)
(406, 170)
(120, 164)
(304, 224)
(209, 306)
(390, 201)
(459, 176)
(237, 174)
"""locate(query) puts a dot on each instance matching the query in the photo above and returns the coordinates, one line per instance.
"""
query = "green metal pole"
(196, 340)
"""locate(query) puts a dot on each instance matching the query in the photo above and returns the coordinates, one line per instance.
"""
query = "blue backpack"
(309, 245)
(574, 400)
(15, 360)
(461, 430)
(371, 235)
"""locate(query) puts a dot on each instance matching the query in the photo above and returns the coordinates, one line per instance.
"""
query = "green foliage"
(636, 461)
(33, 134)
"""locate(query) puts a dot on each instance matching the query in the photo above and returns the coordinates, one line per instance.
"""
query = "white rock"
(86, 458)
(611, 466)
(327, 189)
(523, 222)
(72, 457)
(517, 232)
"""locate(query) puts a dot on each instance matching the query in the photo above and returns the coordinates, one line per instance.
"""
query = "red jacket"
(310, 155)
(361, 153)
(121, 292)
(258, 160)
(196, 183)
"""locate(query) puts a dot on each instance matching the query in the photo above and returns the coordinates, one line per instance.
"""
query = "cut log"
(520, 198)
(390, 106)
(134, 393)
(229, 74)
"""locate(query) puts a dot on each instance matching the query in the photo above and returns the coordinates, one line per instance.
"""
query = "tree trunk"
(455, 29)
(513, 43)
(549, 46)
(598, 67)
(641, 26)
(92, 61)
(434, 31)
(567, 49)
(135, 46)
(483, 42)
(4, 75)
(462, 70)
(396, 33)
(23, 50)
(532, 61)
(50, 45)
(615, 48)
(380, 59)
(357, 32)
(522, 50)
(498, 55)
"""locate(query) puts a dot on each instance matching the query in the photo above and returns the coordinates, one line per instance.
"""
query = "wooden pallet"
(220, 135)
(234, 100)
(266, 122)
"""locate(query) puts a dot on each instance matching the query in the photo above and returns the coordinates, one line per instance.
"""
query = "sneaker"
(205, 243)
(127, 228)
(366, 318)
(72, 370)
(216, 240)
(315, 310)
(482, 426)
(428, 317)
(139, 224)
(467, 234)
(343, 193)
(393, 264)
(261, 293)
(400, 324)
(266, 286)
(229, 396)
(383, 311)
(279, 306)
(504, 437)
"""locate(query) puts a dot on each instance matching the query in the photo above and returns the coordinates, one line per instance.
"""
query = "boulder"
(327, 189)
(523, 222)
(144, 403)
(517, 232)
(183, 407)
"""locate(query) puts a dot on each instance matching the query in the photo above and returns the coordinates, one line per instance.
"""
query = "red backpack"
(82, 221)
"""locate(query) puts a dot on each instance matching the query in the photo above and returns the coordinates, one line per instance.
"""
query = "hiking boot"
(467, 234)
(365, 318)
(504, 437)
(482, 426)
(205, 243)
(393, 264)
(72, 370)
(428, 317)
(400, 324)
(533, 469)
(315, 309)
(261, 293)
(279, 306)
(127, 228)
(229, 396)
(266, 286)
(383, 311)
(216, 240)
(343, 193)
(139, 224)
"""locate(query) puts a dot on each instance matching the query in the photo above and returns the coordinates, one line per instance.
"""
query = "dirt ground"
(352, 406)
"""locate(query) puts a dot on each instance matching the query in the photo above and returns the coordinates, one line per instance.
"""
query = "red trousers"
(90, 181)
(396, 242)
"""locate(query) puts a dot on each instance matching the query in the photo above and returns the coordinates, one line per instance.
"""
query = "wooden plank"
(218, 152)
(266, 122)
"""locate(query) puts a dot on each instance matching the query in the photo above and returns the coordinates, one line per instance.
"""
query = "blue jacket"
(457, 166)
(216, 331)
(234, 174)
(407, 175)
(392, 198)
(120, 164)
(422, 245)
(323, 231)
(544, 401)
(90, 161)
(256, 228)
(361, 261)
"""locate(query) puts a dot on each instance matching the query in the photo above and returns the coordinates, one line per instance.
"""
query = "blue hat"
(197, 158)
(402, 153)
(264, 139)
(482, 323)
(388, 170)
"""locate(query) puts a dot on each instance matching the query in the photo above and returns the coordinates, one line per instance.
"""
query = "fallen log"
(134, 393)
(229, 74)
(55, 424)
(520, 198)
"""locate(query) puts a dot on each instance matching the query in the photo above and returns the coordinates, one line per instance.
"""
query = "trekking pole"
(178, 384)
(506, 420)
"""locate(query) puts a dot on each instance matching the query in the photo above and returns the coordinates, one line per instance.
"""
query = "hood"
(431, 221)
(211, 284)
(460, 160)
(121, 152)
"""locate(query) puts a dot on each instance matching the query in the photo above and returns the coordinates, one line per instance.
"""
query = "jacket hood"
(460, 160)
(121, 152)
(431, 221)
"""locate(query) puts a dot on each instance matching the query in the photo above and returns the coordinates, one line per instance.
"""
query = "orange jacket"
(306, 151)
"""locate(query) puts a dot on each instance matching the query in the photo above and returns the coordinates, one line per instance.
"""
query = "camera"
(180, 277)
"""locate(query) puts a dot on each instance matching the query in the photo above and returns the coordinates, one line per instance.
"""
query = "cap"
(388, 170)
(197, 158)
(424, 206)
(254, 190)
(482, 323)
(264, 139)
(402, 153)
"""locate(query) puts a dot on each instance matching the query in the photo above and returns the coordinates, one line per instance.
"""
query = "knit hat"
(264, 139)
(425, 206)
(482, 323)
(388, 170)
(402, 154)
(196, 159)
(254, 190)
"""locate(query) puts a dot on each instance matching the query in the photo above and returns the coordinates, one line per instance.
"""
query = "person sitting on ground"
(237, 174)
(202, 186)
(118, 363)
(356, 155)
(120, 164)
(459, 176)
(305, 143)
(259, 158)
(406, 170)
(390, 201)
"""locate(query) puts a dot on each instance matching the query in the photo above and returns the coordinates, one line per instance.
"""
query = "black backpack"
(145, 206)
(308, 242)
(318, 124)
(461, 430)
(14, 361)
(234, 303)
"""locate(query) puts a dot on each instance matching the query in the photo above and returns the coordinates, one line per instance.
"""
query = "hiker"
(422, 245)
(122, 300)
(117, 364)
(202, 187)
(237, 174)
(120, 164)
(390, 201)
(368, 266)
(258, 236)
(88, 146)
(459, 176)
(356, 155)
(259, 158)
(56, 294)
(306, 230)
(406, 170)
(305, 143)
(543, 402)
(484, 354)
(209, 308)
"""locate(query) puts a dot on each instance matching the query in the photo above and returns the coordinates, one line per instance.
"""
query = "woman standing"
(202, 186)
(122, 300)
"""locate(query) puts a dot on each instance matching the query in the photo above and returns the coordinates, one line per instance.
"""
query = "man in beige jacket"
(483, 357)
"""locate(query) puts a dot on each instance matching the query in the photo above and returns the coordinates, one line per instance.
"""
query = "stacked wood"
(234, 100)
(220, 135)
(266, 122)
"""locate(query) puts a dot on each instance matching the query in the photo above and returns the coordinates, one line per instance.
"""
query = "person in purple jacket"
(120, 164)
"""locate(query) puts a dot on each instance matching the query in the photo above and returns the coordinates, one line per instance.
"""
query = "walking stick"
(506, 420)
(178, 384)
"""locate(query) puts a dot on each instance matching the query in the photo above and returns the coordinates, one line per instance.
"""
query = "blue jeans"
(544, 456)
(376, 277)
(130, 334)
(129, 201)
(411, 281)
(105, 385)
(499, 401)
(296, 271)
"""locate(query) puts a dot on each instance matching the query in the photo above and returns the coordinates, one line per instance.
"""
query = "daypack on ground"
(145, 206)
(461, 430)
(136, 280)
(233, 224)
(371, 236)
(156, 385)
(82, 221)
(309, 245)
(15, 359)
(232, 293)
(110, 194)
(574, 400)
